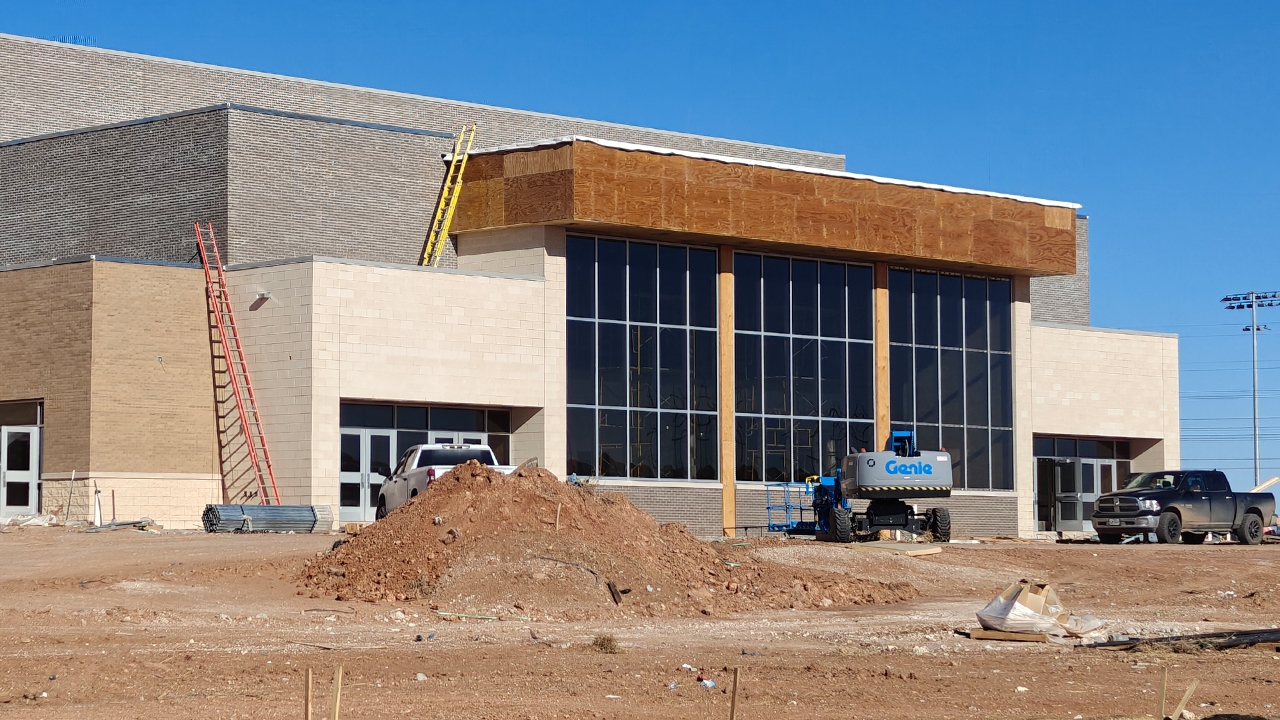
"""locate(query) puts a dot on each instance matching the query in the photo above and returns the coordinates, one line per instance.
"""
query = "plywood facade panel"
(650, 193)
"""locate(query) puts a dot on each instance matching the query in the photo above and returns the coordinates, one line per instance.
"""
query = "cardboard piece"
(1026, 607)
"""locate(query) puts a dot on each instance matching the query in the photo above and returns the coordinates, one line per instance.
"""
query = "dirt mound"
(478, 541)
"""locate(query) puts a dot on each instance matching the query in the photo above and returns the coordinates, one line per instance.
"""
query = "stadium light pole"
(1251, 301)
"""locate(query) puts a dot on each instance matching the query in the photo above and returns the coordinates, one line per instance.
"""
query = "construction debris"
(1031, 608)
(267, 518)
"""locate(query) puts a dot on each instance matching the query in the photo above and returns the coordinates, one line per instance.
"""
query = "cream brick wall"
(335, 330)
(1023, 403)
(1107, 383)
(174, 501)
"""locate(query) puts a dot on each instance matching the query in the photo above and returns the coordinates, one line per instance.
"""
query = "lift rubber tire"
(940, 524)
(841, 523)
(1190, 538)
(1110, 538)
(381, 512)
(1169, 528)
(1250, 531)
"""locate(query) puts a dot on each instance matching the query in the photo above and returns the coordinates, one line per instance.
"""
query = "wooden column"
(728, 492)
(881, 303)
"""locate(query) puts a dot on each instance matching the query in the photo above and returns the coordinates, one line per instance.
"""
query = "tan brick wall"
(148, 415)
(46, 354)
(1023, 401)
(1107, 383)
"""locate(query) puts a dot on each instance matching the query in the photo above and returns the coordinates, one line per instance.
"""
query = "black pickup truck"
(1182, 506)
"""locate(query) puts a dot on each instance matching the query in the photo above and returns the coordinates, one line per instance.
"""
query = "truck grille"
(1117, 506)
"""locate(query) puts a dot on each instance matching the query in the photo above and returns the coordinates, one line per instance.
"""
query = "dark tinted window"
(643, 273)
(746, 292)
(1001, 306)
(901, 399)
(451, 457)
(704, 358)
(582, 441)
(462, 419)
(860, 282)
(643, 369)
(350, 450)
(804, 367)
(673, 377)
(643, 434)
(748, 374)
(580, 270)
(899, 306)
(411, 418)
(671, 284)
(777, 295)
(611, 273)
(951, 310)
(703, 308)
(581, 361)
(368, 416)
(1217, 482)
(804, 297)
(1042, 446)
(612, 375)
(975, 313)
(926, 307)
(831, 300)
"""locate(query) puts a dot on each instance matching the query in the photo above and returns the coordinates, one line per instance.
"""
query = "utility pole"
(1251, 301)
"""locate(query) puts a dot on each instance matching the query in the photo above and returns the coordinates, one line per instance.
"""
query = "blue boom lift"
(820, 505)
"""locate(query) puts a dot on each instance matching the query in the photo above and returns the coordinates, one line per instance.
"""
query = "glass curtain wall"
(642, 360)
(951, 371)
(804, 377)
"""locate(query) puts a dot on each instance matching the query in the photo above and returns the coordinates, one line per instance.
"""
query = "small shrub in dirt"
(606, 644)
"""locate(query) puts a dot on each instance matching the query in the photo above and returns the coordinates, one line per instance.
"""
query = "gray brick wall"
(1065, 298)
(300, 187)
(53, 87)
(131, 191)
(695, 508)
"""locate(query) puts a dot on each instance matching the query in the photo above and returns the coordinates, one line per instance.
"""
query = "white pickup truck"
(422, 464)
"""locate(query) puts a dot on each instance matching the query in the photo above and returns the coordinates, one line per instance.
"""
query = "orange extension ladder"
(241, 387)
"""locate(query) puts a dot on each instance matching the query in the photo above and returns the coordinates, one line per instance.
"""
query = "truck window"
(404, 461)
(452, 456)
(1216, 482)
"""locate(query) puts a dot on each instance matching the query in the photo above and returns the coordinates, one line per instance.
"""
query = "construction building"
(679, 318)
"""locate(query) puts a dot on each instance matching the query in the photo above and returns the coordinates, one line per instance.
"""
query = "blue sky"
(1159, 118)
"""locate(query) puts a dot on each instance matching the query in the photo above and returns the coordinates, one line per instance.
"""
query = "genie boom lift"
(821, 505)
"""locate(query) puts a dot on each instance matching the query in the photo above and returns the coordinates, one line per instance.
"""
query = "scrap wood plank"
(908, 549)
(983, 634)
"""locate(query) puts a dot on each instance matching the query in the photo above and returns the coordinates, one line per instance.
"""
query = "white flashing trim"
(397, 93)
(632, 147)
(625, 482)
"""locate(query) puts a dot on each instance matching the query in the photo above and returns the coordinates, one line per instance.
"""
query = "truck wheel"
(940, 524)
(841, 523)
(1110, 538)
(381, 512)
(1169, 529)
(1190, 538)
(1250, 531)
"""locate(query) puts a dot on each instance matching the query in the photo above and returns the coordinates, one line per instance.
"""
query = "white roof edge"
(397, 93)
(764, 163)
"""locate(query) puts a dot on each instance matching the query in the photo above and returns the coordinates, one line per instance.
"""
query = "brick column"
(881, 304)
(728, 474)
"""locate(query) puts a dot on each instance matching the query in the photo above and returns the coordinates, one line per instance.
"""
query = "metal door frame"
(1075, 498)
(365, 511)
(33, 492)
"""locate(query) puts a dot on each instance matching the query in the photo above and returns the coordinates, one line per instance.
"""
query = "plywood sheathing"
(648, 194)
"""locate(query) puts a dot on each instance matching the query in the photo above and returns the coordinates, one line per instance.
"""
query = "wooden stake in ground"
(1185, 698)
(336, 699)
(1164, 688)
(306, 698)
(558, 506)
(733, 700)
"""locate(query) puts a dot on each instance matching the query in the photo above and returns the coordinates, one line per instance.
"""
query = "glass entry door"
(366, 463)
(1069, 495)
(19, 470)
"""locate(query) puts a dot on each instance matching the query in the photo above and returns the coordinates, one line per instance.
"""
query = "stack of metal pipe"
(267, 518)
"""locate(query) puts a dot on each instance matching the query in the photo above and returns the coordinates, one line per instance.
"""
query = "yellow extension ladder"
(439, 233)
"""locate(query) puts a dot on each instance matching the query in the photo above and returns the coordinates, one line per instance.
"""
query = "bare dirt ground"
(184, 625)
